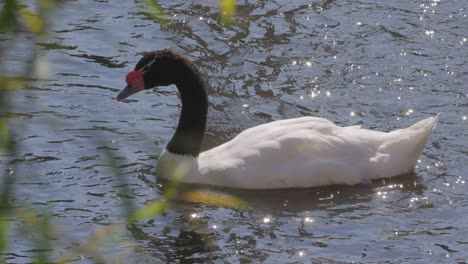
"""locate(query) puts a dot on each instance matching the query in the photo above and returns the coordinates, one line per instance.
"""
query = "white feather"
(302, 152)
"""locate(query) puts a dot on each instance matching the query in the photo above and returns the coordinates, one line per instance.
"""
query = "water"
(380, 65)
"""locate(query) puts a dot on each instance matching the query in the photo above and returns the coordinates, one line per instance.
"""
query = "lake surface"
(380, 65)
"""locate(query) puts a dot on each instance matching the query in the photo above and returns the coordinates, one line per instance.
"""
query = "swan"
(292, 153)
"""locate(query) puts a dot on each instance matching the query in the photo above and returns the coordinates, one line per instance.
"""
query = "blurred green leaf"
(40, 233)
(154, 11)
(228, 9)
(8, 19)
(152, 209)
(4, 135)
(213, 199)
(4, 226)
(28, 216)
(43, 240)
(12, 83)
(33, 22)
(39, 228)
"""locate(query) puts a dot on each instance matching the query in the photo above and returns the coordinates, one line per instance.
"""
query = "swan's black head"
(166, 67)
(157, 68)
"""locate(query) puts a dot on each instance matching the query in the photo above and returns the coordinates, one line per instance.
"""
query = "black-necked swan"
(291, 153)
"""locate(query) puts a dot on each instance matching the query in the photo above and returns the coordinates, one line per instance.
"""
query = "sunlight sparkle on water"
(266, 220)
(460, 180)
(430, 33)
(418, 200)
(382, 194)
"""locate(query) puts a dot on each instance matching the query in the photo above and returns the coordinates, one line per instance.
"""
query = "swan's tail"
(427, 124)
(401, 149)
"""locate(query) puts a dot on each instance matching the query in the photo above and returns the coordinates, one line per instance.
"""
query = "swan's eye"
(145, 69)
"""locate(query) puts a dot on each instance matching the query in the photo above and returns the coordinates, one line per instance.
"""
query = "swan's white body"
(302, 152)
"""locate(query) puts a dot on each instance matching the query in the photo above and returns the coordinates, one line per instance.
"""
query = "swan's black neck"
(188, 136)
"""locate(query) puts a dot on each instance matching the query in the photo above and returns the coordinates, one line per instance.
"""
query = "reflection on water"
(279, 221)
(379, 65)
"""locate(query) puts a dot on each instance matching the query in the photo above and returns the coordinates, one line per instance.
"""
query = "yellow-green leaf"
(4, 135)
(228, 8)
(213, 199)
(154, 208)
(11, 83)
(33, 22)
(4, 227)
(154, 11)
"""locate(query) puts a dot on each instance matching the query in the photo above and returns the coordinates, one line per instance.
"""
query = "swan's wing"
(292, 153)
(310, 151)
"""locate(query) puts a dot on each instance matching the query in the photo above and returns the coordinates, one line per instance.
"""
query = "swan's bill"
(126, 92)
(135, 84)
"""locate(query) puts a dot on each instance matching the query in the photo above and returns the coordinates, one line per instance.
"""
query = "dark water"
(380, 65)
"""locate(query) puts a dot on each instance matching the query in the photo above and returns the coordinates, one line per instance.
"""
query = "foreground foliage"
(21, 22)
